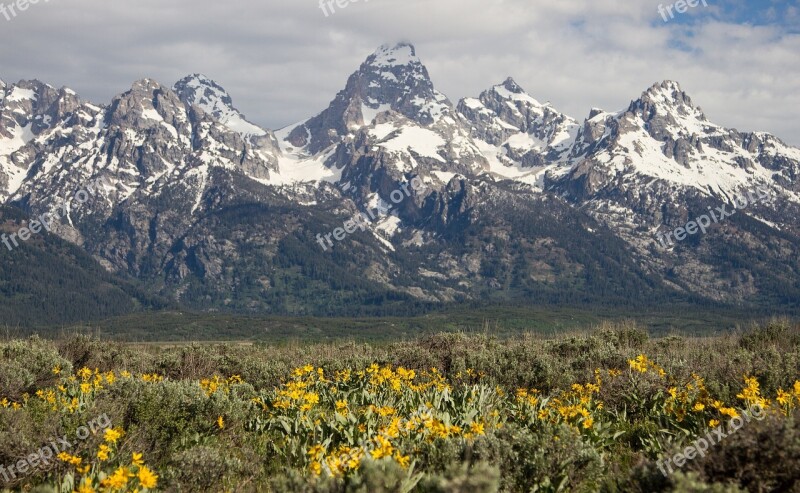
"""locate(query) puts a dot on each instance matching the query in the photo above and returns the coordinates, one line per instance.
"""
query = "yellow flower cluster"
(575, 407)
(152, 378)
(331, 423)
(692, 397)
(218, 384)
(378, 413)
(331, 426)
(5, 403)
(75, 393)
(133, 477)
(751, 394)
(71, 393)
(789, 400)
(642, 364)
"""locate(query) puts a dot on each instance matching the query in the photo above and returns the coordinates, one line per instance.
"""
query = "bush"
(28, 365)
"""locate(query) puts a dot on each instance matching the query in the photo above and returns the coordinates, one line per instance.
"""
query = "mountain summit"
(392, 78)
(198, 90)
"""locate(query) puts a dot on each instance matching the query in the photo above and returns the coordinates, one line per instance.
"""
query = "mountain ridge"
(211, 210)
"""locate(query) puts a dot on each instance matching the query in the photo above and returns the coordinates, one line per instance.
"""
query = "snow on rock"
(420, 141)
(392, 56)
(297, 166)
(20, 94)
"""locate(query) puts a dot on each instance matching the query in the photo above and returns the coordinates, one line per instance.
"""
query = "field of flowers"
(448, 413)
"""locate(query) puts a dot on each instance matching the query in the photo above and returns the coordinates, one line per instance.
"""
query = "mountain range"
(521, 203)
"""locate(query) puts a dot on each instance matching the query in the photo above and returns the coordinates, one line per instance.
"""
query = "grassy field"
(603, 410)
(502, 321)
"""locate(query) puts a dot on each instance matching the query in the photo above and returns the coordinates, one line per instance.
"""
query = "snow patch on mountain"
(295, 165)
(369, 113)
(411, 139)
(20, 94)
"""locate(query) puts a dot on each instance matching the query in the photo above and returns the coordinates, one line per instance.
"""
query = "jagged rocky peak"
(394, 77)
(530, 132)
(666, 97)
(511, 85)
(391, 78)
(509, 100)
(34, 106)
(667, 91)
(213, 99)
(510, 90)
(202, 91)
(28, 97)
(668, 114)
(146, 85)
(395, 66)
(148, 104)
(388, 55)
(595, 112)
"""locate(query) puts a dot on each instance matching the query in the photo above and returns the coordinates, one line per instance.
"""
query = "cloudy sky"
(284, 60)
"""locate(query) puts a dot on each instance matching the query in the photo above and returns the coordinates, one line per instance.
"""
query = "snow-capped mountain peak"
(394, 55)
(29, 109)
(201, 91)
(512, 91)
(517, 132)
(390, 79)
(395, 78)
(667, 92)
(663, 136)
(512, 85)
(669, 104)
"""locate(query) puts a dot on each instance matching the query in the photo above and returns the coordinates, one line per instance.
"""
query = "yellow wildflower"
(86, 487)
(477, 428)
(112, 435)
(118, 480)
(102, 452)
(639, 364)
(403, 460)
(146, 478)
